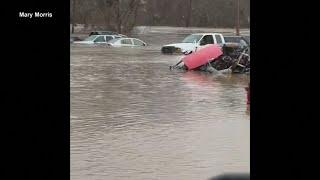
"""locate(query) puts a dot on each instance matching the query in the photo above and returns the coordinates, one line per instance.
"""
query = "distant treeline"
(123, 15)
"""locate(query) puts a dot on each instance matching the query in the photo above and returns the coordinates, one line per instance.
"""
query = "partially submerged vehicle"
(126, 42)
(247, 39)
(243, 41)
(216, 59)
(193, 42)
(202, 56)
(98, 39)
(199, 58)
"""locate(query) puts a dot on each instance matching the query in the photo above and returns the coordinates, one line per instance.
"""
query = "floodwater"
(133, 118)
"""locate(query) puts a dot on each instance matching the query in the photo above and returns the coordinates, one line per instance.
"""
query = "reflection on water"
(133, 118)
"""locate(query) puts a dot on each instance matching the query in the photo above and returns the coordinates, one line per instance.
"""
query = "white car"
(98, 39)
(193, 42)
(126, 42)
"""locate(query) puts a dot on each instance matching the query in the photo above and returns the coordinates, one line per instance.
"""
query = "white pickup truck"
(193, 42)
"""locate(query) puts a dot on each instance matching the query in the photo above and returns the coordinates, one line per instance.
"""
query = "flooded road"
(133, 118)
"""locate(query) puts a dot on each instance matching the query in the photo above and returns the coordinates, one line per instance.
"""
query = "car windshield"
(192, 38)
(90, 38)
(113, 40)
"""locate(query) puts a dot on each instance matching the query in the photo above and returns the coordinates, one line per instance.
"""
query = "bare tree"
(122, 15)
(126, 13)
(105, 8)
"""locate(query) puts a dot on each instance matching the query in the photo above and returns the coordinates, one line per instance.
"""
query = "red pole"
(248, 93)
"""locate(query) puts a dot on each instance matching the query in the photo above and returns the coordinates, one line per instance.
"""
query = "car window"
(138, 42)
(126, 41)
(100, 39)
(192, 38)
(91, 38)
(108, 38)
(218, 39)
(207, 39)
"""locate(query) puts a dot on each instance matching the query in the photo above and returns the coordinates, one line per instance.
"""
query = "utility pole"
(189, 13)
(238, 18)
(73, 15)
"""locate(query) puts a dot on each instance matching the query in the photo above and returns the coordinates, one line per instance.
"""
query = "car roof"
(205, 33)
(237, 36)
(106, 35)
(129, 38)
(103, 32)
(118, 39)
(232, 36)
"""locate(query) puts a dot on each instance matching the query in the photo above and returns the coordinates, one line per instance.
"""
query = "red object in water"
(202, 56)
(248, 94)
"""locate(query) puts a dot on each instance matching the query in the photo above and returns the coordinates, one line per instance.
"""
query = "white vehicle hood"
(184, 46)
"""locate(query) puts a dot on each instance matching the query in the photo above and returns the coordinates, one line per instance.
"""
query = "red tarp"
(202, 56)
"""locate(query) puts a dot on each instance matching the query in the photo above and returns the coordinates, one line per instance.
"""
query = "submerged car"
(199, 58)
(103, 33)
(247, 39)
(126, 42)
(193, 42)
(98, 39)
(242, 41)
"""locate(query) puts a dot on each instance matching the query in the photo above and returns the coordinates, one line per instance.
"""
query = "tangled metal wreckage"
(230, 58)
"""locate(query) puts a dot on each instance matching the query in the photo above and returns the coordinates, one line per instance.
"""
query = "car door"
(218, 39)
(108, 38)
(100, 40)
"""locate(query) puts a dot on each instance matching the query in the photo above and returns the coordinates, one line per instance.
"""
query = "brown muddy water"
(133, 118)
